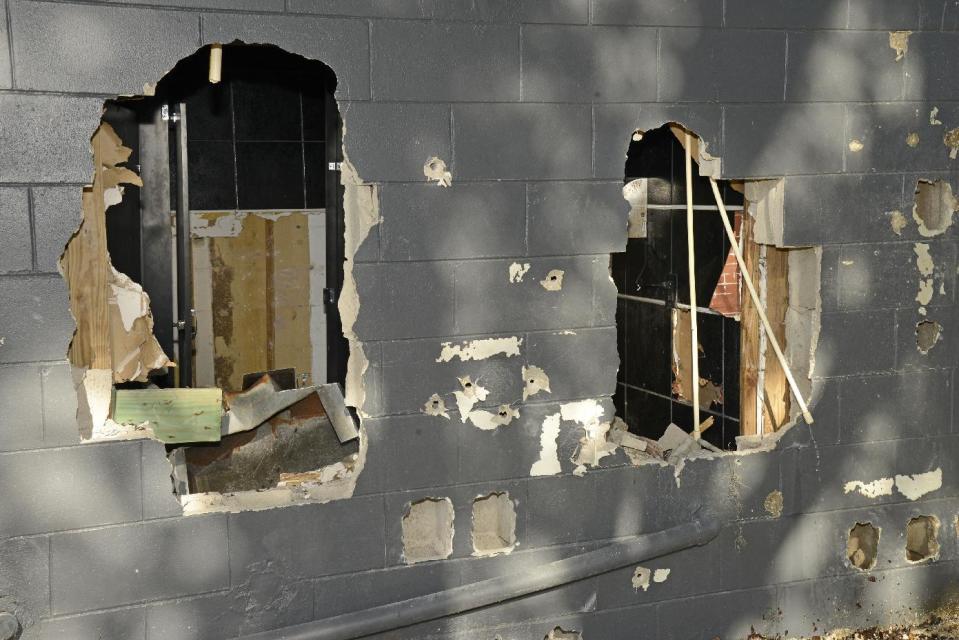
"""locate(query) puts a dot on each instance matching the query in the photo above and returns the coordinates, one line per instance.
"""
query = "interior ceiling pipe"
(622, 553)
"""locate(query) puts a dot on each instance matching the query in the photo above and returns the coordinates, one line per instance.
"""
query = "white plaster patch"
(924, 296)
(553, 280)
(548, 463)
(660, 575)
(480, 349)
(517, 271)
(933, 117)
(487, 420)
(874, 489)
(923, 259)
(915, 486)
(583, 411)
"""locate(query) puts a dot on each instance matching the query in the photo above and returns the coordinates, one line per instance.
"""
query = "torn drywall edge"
(336, 481)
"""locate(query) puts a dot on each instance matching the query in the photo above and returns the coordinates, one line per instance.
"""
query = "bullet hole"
(934, 206)
(862, 547)
(494, 524)
(534, 381)
(912, 140)
(856, 146)
(428, 530)
(927, 335)
(641, 578)
(897, 221)
(435, 170)
(922, 539)
(553, 280)
(560, 634)
(436, 406)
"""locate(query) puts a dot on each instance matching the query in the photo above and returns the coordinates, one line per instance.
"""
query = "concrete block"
(20, 395)
(118, 624)
(686, 13)
(580, 64)
(360, 8)
(843, 209)
(522, 141)
(404, 300)
(776, 140)
(59, 405)
(882, 129)
(474, 220)
(787, 14)
(159, 500)
(842, 66)
(569, 218)
(87, 59)
(341, 44)
(392, 141)
(559, 11)
(744, 546)
(721, 66)
(614, 125)
(696, 617)
(829, 279)
(445, 61)
(25, 577)
(500, 375)
(486, 300)
(266, 602)
(931, 14)
(81, 487)
(136, 563)
(410, 452)
(943, 353)
(581, 365)
(950, 16)
(6, 71)
(56, 215)
(308, 541)
(57, 148)
(35, 317)
(877, 276)
(902, 405)
(929, 66)
(856, 342)
(887, 15)
(15, 240)
(261, 6)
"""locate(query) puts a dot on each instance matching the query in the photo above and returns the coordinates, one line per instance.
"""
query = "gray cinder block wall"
(531, 103)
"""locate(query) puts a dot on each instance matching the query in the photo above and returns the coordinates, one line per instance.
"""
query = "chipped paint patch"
(641, 578)
(933, 117)
(548, 463)
(923, 259)
(517, 271)
(553, 280)
(534, 381)
(951, 140)
(856, 146)
(436, 406)
(912, 139)
(583, 411)
(874, 489)
(897, 221)
(899, 42)
(435, 171)
(480, 349)
(773, 504)
(915, 486)
(468, 396)
(660, 575)
(487, 420)
(924, 296)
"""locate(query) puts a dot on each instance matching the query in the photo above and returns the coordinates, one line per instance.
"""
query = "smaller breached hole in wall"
(935, 204)
(561, 634)
(863, 545)
(928, 333)
(428, 530)
(922, 539)
(494, 524)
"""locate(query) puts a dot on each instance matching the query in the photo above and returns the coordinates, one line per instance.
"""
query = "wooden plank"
(176, 415)
(292, 346)
(776, 396)
(749, 335)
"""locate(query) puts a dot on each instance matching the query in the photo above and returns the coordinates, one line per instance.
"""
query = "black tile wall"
(269, 175)
(212, 174)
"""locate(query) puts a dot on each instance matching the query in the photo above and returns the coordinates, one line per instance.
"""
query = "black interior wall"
(656, 267)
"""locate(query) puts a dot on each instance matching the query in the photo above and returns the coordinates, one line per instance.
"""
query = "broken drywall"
(480, 349)
(911, 487)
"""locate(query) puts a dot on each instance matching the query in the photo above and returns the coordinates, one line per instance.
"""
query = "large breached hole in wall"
(210, 237)
(428, 530)
(743, 390)
(922, 539)
(494, 524)
(862, 546)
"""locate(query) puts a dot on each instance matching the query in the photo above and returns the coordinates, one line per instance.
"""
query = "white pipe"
(759, 308)
(691, 261)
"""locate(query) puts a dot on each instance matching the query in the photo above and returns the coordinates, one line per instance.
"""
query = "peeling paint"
(548, 463)
(933, 117)
(487, 420)
(874, 489)
(534, 381)
(897, 221)
(899, 42)
(660, 575)
(923, 259)
(517, 271)
(480, 349)
(924, 297)
(435, 170)
(915, 486)
(553, 280)
(468, 396)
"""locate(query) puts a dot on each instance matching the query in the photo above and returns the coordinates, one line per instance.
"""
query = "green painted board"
(176, 415)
